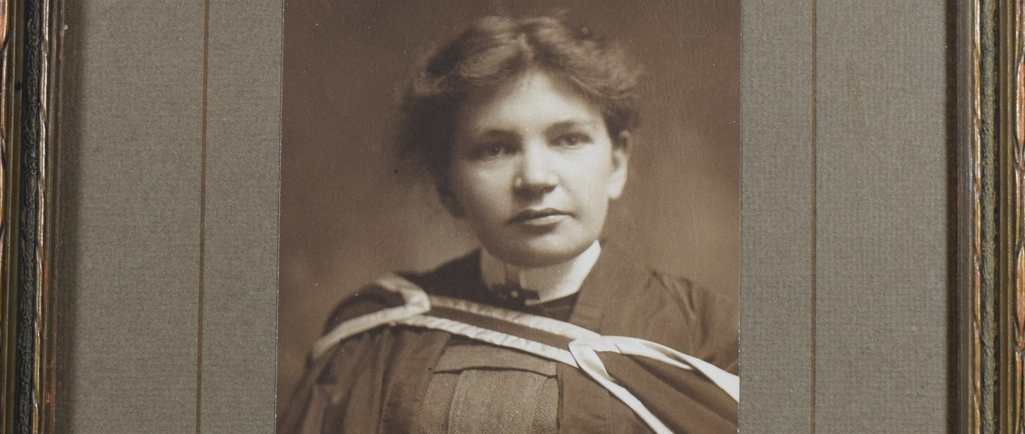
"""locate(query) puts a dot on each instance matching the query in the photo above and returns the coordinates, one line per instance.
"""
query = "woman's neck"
(551, 282)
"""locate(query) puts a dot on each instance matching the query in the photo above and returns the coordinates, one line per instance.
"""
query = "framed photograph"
(351, 212)
(196, 198)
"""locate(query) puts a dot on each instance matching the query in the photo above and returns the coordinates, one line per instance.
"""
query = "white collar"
(551, 282)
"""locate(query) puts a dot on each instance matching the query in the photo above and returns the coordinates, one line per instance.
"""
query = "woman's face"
(533, 169)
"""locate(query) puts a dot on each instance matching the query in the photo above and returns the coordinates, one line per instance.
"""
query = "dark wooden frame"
(990, 59)
(991, 63)
(29, 70)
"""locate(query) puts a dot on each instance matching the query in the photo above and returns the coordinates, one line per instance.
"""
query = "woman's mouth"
(541, 217)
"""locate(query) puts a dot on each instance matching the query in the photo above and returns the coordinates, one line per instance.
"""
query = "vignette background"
(351, 212)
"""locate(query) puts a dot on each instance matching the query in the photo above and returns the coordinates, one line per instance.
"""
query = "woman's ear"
(448, 199)
(620, 158)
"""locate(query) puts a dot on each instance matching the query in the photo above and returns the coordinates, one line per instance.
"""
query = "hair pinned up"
(496, 50)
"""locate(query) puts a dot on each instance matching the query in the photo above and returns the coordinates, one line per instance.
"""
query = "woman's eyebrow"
(496, 133)
(563, 126)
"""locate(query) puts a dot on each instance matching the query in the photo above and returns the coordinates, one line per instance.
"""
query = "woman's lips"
(542, 217)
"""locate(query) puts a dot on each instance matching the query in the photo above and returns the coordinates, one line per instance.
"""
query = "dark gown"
(376, 381)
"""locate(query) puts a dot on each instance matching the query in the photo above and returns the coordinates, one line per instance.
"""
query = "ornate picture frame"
(991, 59)
(989, 161)
(29, 61)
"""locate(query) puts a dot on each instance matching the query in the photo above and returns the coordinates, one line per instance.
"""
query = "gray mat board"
(881, 361)
(136, 219)
(881, 329)
(776, 217)
(241, 230)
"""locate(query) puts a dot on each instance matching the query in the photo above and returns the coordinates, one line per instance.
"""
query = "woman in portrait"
(524, 126)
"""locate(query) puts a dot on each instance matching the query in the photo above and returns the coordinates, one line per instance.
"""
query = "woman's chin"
(537, 256)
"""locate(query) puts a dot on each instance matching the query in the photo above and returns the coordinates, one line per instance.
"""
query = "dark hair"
(495, 51)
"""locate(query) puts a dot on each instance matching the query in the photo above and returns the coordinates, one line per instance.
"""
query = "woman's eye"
(572, 140)
(490, 150)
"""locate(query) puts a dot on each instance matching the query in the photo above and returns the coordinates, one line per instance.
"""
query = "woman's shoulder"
(625, 274)
(457, 278)
(694, 298)
(713, 319)
(453, 278)
(667, 308)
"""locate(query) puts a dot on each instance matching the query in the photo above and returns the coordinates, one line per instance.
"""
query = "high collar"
(552, 282)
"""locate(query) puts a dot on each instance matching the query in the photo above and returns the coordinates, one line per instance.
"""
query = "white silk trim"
(592, 365)
(582, 351)
(525, 319)
(492, 337)
(726, 381)
(416, 304)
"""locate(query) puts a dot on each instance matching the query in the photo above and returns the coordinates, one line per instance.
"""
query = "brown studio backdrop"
(350, 211)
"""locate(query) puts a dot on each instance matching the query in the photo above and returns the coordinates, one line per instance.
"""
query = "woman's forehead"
(534, 97)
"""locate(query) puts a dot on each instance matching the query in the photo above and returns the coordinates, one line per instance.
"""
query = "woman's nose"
(535, 172)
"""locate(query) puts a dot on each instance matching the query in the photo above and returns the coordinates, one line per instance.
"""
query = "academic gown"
(375, 382)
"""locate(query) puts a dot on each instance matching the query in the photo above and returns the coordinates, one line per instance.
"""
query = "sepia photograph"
(511, 215)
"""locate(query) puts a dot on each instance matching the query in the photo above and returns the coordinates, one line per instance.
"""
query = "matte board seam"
(202, 220)
(814, 203)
